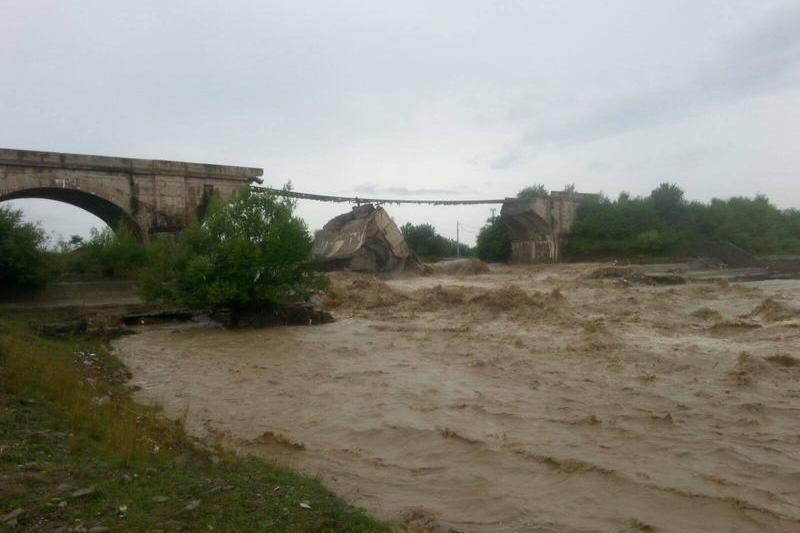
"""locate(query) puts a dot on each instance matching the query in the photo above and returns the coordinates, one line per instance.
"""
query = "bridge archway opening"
(109, 213)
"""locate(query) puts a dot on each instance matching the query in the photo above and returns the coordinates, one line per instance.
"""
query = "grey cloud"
(505, 161)
(757, 59)
(669, 160)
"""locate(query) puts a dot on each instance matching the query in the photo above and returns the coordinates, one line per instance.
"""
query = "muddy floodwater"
(553, 398)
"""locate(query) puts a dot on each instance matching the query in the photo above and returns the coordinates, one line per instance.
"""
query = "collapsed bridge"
(155, 196)
(537, 228)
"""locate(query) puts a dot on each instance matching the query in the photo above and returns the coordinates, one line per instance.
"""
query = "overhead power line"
(358, 200)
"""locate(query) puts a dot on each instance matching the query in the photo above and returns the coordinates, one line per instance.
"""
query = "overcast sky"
(434, 99)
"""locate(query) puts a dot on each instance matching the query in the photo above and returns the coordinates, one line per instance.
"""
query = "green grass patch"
(67, 423)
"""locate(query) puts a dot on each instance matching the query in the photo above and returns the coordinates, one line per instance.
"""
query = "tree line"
(664, 221)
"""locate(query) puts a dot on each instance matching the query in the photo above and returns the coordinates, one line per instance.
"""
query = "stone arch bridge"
(149, 196)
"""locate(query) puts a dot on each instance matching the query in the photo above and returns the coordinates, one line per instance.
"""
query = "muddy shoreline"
(526, 399)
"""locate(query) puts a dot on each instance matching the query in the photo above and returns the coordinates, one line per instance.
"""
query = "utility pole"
(458, 241)
(493, 211)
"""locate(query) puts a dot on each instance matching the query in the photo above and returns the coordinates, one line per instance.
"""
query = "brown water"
(527, 399)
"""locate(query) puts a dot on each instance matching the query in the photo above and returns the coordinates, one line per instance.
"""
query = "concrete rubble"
(365, 240)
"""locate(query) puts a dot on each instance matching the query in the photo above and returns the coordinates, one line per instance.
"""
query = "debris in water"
(365, 240)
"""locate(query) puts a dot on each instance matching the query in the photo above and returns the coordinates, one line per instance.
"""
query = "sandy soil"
(527, 399)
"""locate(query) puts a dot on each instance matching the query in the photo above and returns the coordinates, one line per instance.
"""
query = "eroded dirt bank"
(526, 399)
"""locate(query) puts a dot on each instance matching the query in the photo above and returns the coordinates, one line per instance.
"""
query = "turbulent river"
(554, 398)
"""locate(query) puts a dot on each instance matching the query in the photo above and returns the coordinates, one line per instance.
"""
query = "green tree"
(75, 241)
(107, 253)
(494, 243)
(429, 245)
(668, 202)
(249, 255)
(22, 256)
(532, 192)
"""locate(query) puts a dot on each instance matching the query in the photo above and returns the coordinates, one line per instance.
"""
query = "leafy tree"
(107, 253)
(22, 256)
(428, 244)
(75, 241)
(245, 256)
(532, 192)
(668, 203)
(494, 243)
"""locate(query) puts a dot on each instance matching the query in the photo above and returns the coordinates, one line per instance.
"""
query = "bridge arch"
(150, 196)
(105, 210)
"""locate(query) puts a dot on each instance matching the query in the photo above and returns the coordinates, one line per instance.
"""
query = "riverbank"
(78, 454)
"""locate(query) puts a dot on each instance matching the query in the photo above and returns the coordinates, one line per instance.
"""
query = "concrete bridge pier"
(538, 226)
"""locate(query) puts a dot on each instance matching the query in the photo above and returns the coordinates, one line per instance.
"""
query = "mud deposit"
(526, 399)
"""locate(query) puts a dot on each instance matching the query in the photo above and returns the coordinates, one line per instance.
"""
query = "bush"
(248, 255)
(22, 255)
(107, 253)
(532, 192)
(650, 241)
(494, 243)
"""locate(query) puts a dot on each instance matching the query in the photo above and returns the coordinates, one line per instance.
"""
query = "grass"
(67, 423)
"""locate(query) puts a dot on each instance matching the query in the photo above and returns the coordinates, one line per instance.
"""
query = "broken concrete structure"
(149, 196)
(538, 226)
(364, 240)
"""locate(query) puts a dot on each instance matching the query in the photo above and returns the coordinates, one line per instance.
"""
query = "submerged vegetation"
(656, 224)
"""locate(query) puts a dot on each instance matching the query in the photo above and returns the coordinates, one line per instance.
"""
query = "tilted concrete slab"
(367, 240)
